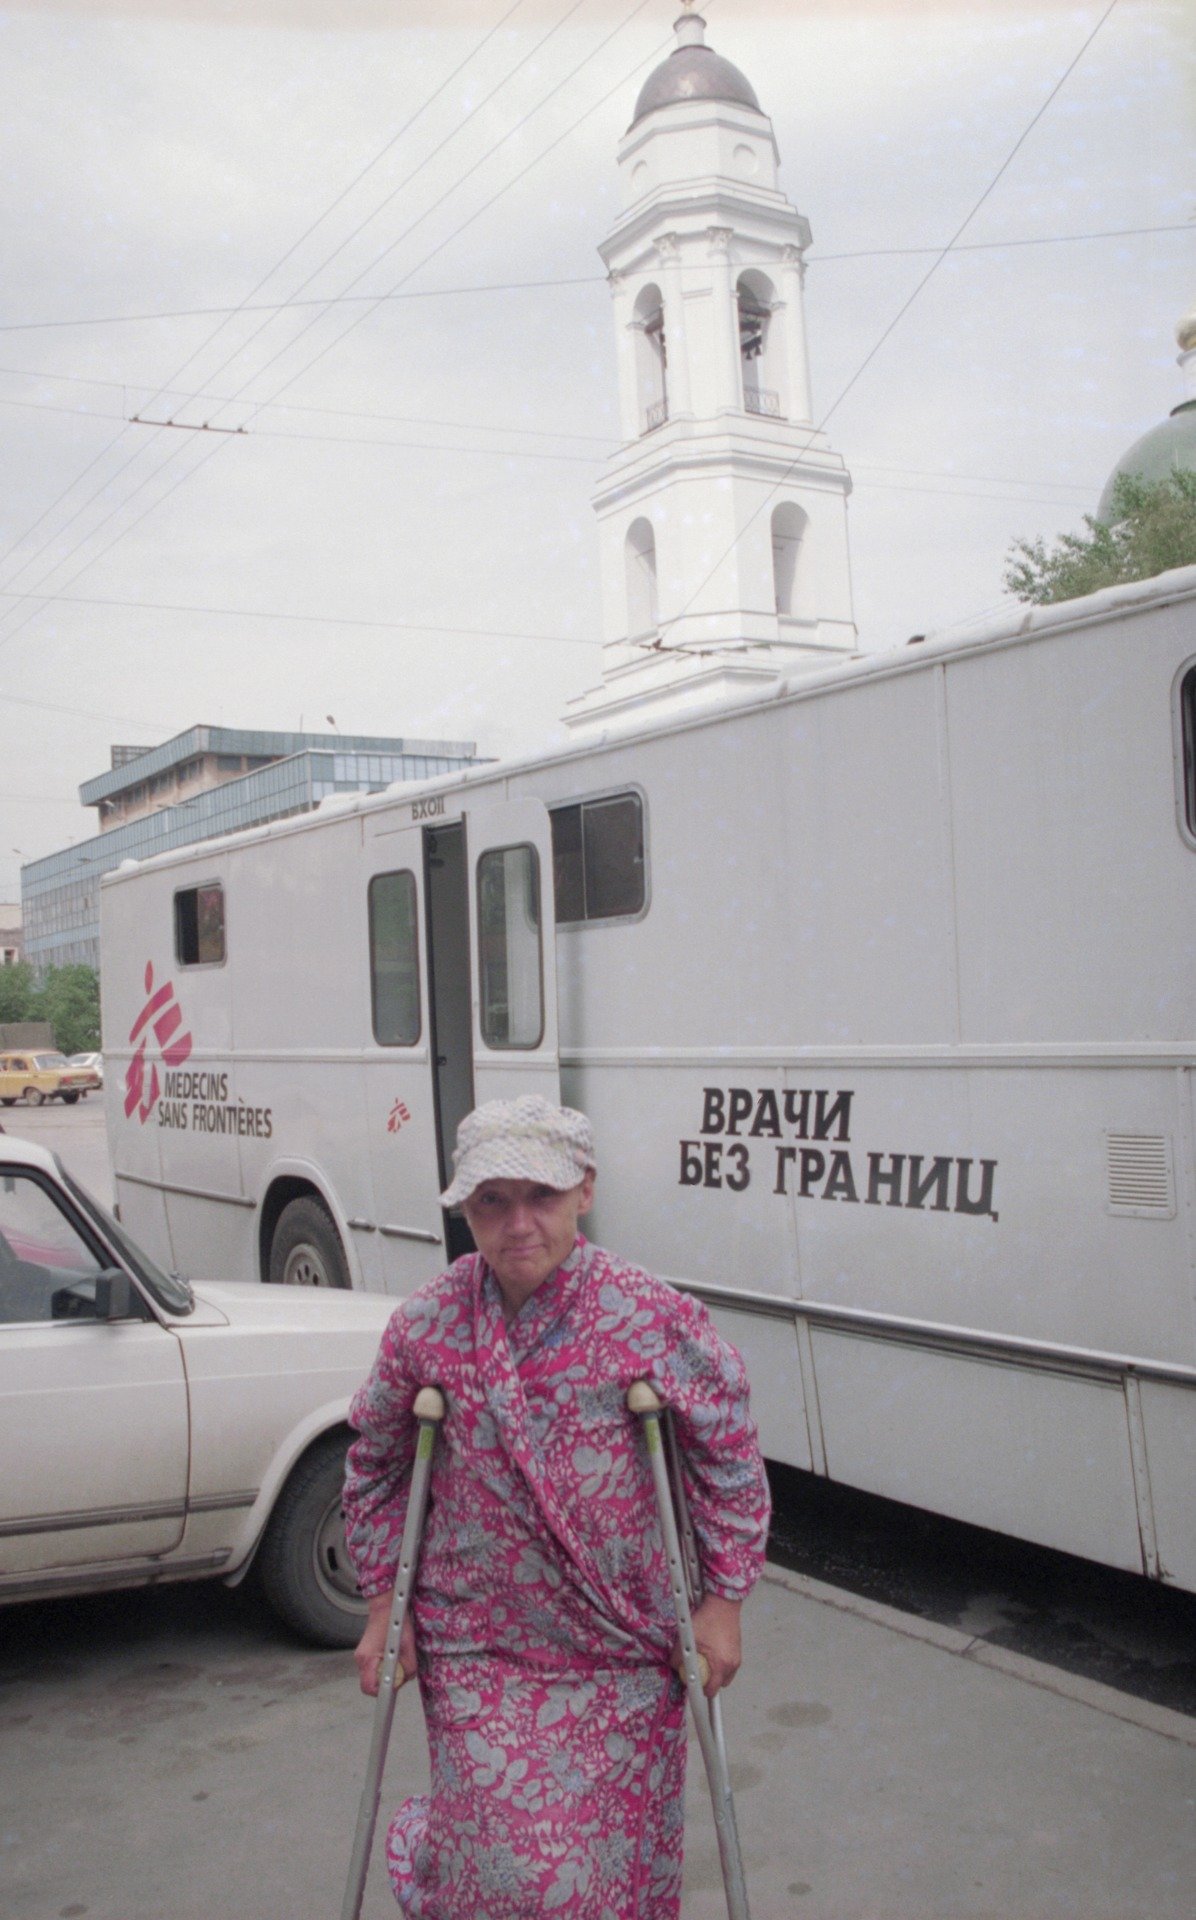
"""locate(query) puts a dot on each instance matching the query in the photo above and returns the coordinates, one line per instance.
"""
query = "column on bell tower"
(722, 517)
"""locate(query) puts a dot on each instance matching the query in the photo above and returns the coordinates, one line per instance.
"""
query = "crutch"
(429, 1411)
(685, 1579)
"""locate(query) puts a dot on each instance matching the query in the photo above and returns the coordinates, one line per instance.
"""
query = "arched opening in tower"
(651, 358)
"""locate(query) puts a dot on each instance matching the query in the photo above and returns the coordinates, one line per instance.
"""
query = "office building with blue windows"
(204, 782)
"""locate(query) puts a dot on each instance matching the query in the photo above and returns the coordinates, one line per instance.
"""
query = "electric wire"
(243, 305)
(608, 441)
(50, 594)
(440, 449)
(377, 300)
(330, 620)
(145, 446)
(813, 259)
(403, 184)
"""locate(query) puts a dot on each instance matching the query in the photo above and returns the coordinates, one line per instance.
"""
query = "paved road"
(75, 1133)
(174, 1756)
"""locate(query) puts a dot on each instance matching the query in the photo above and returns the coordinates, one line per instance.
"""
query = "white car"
(92, 1063)
(153, 1430)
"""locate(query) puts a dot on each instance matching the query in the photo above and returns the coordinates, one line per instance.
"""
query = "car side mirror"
(114, 1295)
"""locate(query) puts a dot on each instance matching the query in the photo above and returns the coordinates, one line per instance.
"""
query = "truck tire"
(306, 1250)
(302, 1567)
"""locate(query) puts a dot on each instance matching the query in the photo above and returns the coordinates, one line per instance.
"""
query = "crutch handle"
(643, 1398)
(703, 1670)
(428, 1404)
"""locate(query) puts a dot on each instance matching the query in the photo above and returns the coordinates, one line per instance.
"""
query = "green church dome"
(1171, 446)
(1168, 448)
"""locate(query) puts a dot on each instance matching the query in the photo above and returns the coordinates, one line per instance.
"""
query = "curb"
(1015, 1666)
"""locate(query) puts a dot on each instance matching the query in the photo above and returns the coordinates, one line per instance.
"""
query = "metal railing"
(762, 400)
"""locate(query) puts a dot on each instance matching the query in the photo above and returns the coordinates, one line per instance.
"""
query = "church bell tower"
(722, 516)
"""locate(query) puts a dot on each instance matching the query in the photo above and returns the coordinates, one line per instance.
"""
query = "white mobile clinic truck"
(880, 992)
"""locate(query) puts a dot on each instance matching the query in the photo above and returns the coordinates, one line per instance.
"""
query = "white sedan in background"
(153, 1430)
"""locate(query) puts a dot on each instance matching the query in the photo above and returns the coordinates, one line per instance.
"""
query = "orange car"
(34, 1077)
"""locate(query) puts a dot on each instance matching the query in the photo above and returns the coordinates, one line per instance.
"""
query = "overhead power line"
(958, 489)
(389, 198)
(478, 212)
(214, 334)
(357, 320)
(325, 620)
(157, 727)
(343, 195)
(814, 259)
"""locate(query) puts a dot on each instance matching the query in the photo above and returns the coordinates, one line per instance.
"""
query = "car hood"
(249, 1304)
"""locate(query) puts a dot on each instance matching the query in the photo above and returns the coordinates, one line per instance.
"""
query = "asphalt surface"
(178, 1756)
(1107, 1626)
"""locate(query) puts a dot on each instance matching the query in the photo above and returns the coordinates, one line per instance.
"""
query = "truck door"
(512, 951)
(405, 1242)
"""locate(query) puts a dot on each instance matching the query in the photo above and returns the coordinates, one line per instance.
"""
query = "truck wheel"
(33, 1096)
(306, 1249)
(302, 1565)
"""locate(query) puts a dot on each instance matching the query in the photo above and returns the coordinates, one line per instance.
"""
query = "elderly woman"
(542, 1625)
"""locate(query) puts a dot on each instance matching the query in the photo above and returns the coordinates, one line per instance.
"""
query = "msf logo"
(162, 1016)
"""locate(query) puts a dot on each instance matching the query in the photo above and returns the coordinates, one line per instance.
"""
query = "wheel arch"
(297, 1180)
(328, 1420)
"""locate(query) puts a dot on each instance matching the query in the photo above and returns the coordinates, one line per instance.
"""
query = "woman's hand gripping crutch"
(685, 1579)
(429, 1412)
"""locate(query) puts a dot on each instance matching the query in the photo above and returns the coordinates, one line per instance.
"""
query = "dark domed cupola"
(693, 71)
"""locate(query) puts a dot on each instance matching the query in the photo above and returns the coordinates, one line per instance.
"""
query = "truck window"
(394, 959)
(598, 858)
(512, 997)
(199, 926)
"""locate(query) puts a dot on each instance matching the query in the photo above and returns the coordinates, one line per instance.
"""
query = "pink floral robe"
(542, 1609)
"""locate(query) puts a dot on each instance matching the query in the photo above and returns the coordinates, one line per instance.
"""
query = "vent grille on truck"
(1140, 1174)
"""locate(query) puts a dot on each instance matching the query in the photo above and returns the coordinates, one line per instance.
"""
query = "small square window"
(598, 858)
(199, 926)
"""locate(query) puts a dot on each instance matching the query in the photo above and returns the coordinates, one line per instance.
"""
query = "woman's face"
(523, 1230)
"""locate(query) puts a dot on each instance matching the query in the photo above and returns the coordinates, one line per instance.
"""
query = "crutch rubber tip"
(642, 1398)
(429, 1404)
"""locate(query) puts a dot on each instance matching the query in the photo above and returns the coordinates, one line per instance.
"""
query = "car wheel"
(69, 1099)
(33, 1096)
(303, 1566)
(306, 1250)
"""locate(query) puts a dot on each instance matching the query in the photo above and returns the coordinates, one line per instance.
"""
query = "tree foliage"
(1152, 527)
(68, 997)
(18, 991)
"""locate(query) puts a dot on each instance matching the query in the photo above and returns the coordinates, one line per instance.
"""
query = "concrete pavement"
(173, 1757)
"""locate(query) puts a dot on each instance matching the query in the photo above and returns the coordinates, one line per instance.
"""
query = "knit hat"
(524, 1139)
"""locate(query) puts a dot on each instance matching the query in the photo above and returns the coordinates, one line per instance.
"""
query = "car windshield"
(49, 1059)
(171, 1292)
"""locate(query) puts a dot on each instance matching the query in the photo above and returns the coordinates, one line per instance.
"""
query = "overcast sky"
(165, 162)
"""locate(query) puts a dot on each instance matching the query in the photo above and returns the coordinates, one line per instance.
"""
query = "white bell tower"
(723, 515)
